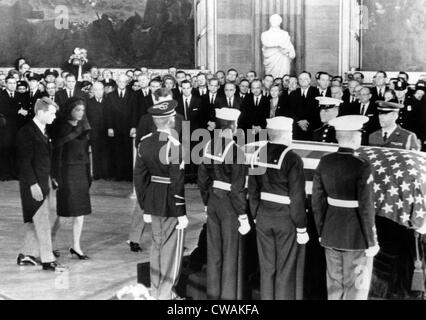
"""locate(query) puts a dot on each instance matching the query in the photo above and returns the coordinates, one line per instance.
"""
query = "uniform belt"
(343, 203)
(275, 198)
(222, 185)
(163, 180)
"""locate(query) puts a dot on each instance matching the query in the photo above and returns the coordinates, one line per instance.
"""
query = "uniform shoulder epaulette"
(173, 140)
(146, 137)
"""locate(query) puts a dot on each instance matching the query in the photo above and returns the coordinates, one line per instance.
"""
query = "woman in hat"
(71, 170)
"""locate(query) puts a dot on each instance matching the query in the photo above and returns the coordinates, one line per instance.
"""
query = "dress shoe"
(135, 247)
(54, 266)
(27, 260)
(80, 256)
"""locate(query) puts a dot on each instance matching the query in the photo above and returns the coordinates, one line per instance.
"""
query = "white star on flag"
(376, 187)
(393, 191)
(405, 218)
(419, 199)
(417, 184)
(377, 163)
(381, 170)
(396, 166)
(373, 156)
(393, 158)
(411, 162)
(410, 199)
(420, 213)
(388, 208)
(422, 160)
(424, 177)
(386, 180)
(399, 174)
(405, 186)
(413, 172)
(400, 204)
(382, 197)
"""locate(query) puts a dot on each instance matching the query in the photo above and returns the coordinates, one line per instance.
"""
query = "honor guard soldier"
(277, 203)
(343, 207)
(329, 110)
(159, 183)
(392, 135)
(224, 169)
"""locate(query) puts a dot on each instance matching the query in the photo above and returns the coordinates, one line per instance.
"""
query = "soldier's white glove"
(244, 225)
(147, 218)
(302, 236)
(372, 251)
(182, 223)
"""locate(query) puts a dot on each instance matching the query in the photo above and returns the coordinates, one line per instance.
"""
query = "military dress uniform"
(327, 133)
(159, 183)
(277, 203)
(343, 207)
(223, 175)
(398, 139)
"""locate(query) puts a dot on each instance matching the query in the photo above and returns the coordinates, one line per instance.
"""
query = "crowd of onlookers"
(115, 104)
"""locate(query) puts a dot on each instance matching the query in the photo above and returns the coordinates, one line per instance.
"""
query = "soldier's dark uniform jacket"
(399, 139)
(277, 202)
(224, 173)
(222, 180)
(159, 176)
(343, 203)
(281, 189)
(326, 134)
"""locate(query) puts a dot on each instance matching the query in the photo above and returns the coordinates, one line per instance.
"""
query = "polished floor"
(111, 267)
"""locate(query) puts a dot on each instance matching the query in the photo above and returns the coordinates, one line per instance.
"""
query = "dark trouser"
(7, 153)
(222, 247)
(122, 158)
(348, 274)
(138, 225)
(278, 248)
(396, 256)
(166, 257)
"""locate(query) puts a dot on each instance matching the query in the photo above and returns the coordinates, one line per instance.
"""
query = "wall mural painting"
(394, 35)
(116, 33)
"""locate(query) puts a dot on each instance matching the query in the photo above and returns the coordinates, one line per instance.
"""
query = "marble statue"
(278, 51)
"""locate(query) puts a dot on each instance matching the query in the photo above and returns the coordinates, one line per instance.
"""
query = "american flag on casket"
(399, 179)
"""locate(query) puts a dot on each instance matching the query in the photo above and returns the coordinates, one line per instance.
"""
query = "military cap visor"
(325, 103)
(387, 107)
(164, 109)
(22, 84)
(51, 72)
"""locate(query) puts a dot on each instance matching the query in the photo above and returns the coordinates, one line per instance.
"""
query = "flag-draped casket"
(399, 179)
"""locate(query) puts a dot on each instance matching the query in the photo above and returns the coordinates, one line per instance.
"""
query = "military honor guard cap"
(421, 85)
(51, 72)
(328, 103)
(387, 107)
(401, 85)
(349, 123)
(110, 83)
(280, 123)
(228, 114)
(22, 84)
(163, 109)
(33, 76)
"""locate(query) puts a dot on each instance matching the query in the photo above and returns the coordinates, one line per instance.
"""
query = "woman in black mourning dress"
(71, 170)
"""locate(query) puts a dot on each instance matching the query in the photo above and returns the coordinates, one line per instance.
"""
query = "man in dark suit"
(378, 91)
(209, 103)
(303, 108)
(323, 80)
(143, 81)
(366, 108)
(231, 99)
(10, 113)
(34, 92)
(145, 100)
(406, 115)
(119, 117)
(202, 89)
(244, 88)
(70, 91)
(255, 110)
(34, 158)
(349, 95)
(95, 110)
(180, 76)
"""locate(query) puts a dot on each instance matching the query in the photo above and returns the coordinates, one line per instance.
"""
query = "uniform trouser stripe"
(179, 254)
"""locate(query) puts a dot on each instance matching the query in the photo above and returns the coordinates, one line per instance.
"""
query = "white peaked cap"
(228, 114)
(280, 123)
(326, 101)
(349, 123)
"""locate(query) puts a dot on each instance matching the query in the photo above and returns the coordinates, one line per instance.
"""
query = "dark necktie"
(121, 95)
(385, 137)
(11, 95)
(230, 103)
(212, 102)
(362, 109)
(186, 109)
(69, 94)
(257, 102)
